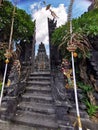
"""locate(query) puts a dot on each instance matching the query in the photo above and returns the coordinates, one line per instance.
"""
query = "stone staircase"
(36, 108)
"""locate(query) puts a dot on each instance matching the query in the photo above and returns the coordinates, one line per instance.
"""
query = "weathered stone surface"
(83, 114)
(83, 107)
(36, 108)
(35, 119)
(10, 108)
(66, 127)
(61, 112)
(86, 124)
(5, 125)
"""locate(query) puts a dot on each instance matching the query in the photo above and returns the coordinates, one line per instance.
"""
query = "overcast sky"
(37, 10)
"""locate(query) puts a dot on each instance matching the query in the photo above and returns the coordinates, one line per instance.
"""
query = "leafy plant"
(0, 86)
(87, 99)
(91, 109)
(79, 40)
(85, 87)
(84, 26)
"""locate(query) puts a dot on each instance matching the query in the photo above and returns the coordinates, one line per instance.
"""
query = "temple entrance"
(42, 60)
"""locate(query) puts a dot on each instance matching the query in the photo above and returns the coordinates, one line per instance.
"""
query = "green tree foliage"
(5, 20)
(23, 25)
(22, 30)
(86, 25)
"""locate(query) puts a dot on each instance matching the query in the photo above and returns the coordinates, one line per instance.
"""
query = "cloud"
(41, 26)
(61, 13)
(35, 7)
(40, 15)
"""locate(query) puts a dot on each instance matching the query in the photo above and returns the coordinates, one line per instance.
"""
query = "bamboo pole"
(11, 32)
(7, 55)
(3, 83)
(73, 67)
(75, 92)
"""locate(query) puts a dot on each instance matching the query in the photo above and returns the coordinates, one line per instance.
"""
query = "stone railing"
(60, 96)
(64, 100)
(12, 93)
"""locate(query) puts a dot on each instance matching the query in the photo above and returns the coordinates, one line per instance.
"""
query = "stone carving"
(67, 71)
(13, 90)
(13, 79)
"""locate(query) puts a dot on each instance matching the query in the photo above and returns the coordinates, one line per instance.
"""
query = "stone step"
(38, 85)
(36, 107)
(38, 95)
(35, 119)
(40, 73)
(38, 89)
(40, 98)
(83, 114)
(6, 125)
(66, 121)
(62, 127)
(40, 78)
(38, 82)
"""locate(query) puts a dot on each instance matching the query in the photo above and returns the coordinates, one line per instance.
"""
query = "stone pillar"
(55, 57)
(33, 50)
